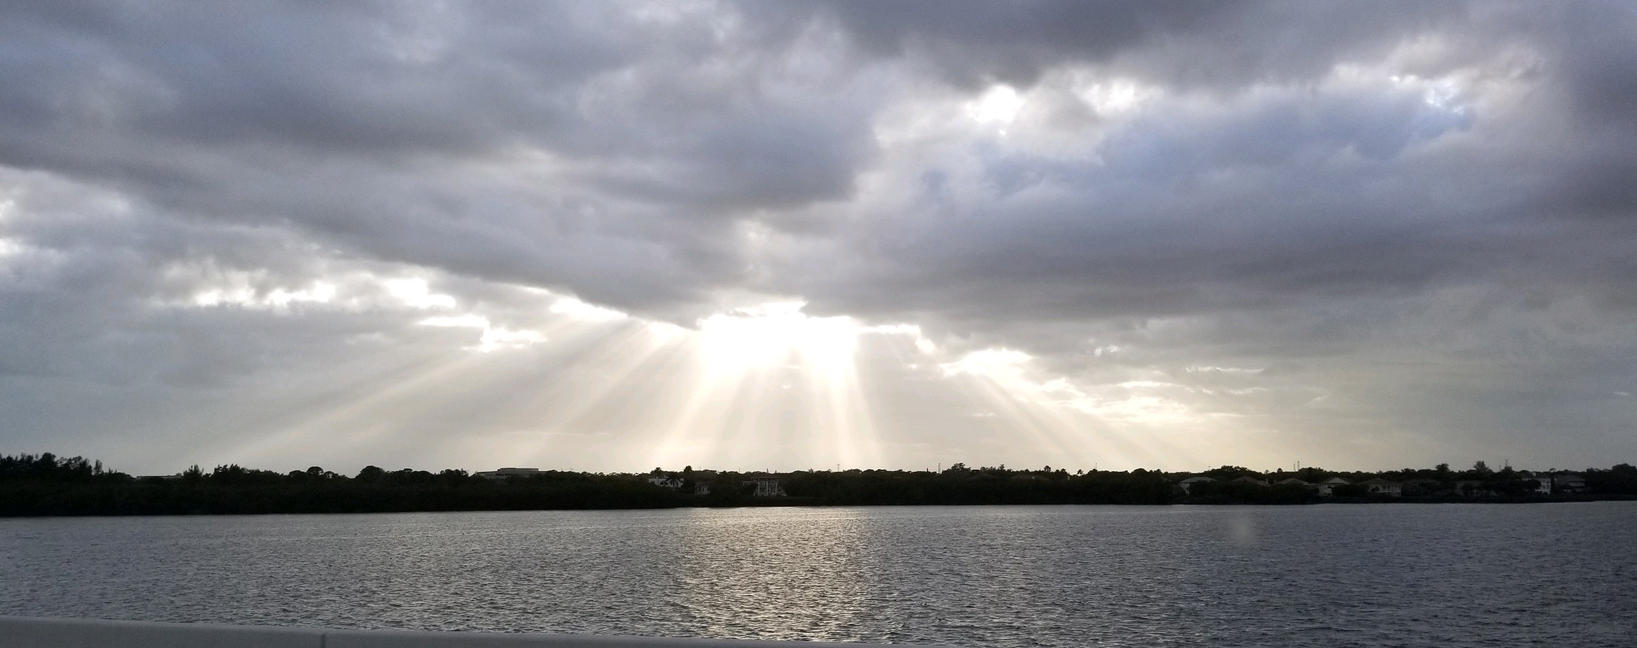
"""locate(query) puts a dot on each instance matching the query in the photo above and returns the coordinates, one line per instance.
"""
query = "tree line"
(46, 484)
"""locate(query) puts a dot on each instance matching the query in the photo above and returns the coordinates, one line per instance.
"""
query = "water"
(1334, 575)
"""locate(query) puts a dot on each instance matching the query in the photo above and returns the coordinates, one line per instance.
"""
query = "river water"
(1329, 575)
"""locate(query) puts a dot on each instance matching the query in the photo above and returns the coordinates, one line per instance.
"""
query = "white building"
(1382, 487)
(1189, 483)
(766, 487)
(1327, 486)
(1568, 483)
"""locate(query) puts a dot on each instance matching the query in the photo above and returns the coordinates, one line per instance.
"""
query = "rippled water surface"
(1337, 575)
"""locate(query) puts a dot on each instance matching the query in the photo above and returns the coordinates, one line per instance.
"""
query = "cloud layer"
(1117, 234)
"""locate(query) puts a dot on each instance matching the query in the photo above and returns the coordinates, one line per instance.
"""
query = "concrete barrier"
(28, 632)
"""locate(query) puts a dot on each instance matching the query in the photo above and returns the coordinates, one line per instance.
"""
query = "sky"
(610, 236)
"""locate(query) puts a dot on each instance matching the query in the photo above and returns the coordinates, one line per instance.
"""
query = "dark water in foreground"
(1336, 575)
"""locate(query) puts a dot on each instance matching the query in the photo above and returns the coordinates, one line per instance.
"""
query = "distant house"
(766, 486)
(1422, 487)
(1189, 483)
(1543, 482)
(507, 473)
(1328, 486)
(1292, 481)
(664, 481)
(1472, 488)
(1568, 483)
(1382, 487)
(1247, 479)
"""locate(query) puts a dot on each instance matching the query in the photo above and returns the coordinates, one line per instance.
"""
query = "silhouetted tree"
(51, 485)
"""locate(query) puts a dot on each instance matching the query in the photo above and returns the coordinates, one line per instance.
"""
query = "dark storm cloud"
(1182, 43)
(1280, 197)
(340, 120)
(354, 123)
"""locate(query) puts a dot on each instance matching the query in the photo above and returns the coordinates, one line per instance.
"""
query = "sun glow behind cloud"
(998, 105)
(761, 386)
(748, 362)
(773, 333)
(764, 386)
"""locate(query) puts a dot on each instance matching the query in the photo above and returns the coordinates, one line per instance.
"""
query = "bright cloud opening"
(585, 312)
(776, 333)
(239, 291)
(998, 105)
(494, 338)
(416, 293)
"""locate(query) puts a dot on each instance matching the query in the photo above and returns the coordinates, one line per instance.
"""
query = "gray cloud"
(1184, 43)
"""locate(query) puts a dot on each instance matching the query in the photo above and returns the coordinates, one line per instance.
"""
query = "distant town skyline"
(609, 236)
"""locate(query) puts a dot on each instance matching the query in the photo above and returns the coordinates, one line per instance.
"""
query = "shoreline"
(787, 504)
